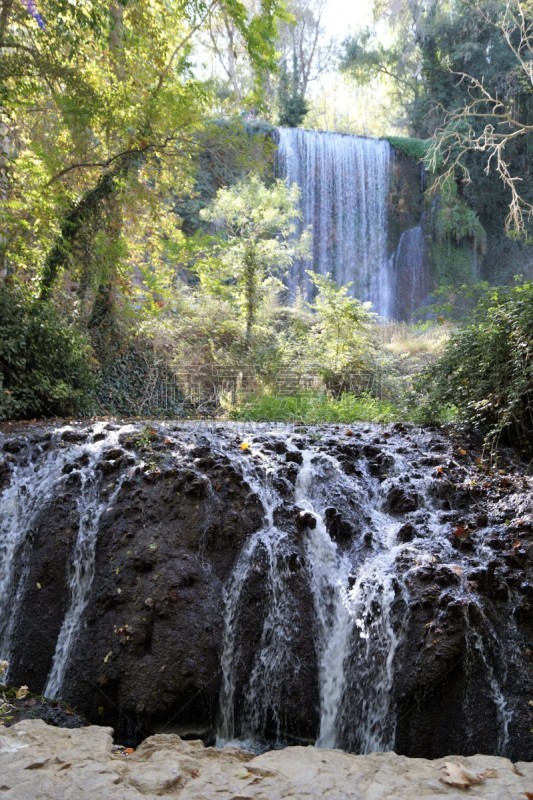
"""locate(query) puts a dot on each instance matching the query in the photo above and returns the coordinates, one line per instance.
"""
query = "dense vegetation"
(486, 369)
(144, 243)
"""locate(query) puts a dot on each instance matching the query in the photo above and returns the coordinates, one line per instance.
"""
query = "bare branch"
(459, 135)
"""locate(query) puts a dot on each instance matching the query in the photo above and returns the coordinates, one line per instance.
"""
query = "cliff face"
(266, 582)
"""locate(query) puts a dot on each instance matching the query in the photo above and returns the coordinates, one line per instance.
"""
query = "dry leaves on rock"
(459, 776)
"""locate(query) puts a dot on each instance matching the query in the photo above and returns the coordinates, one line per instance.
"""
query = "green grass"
(311, 408)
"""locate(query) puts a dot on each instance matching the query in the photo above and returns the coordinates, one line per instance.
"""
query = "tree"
(367, 60)
(100, 102)
(257, 238)
(493, 119)
(303, 54)
(341, 341)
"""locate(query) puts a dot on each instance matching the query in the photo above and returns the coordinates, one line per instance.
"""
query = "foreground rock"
(429, 547)
(38, 762)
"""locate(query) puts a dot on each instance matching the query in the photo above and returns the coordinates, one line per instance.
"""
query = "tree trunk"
(250, 289)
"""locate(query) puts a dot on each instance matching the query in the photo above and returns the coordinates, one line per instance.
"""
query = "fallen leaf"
(245, 445)
(348, 433)
(457, 775)
(108, 656)
(21, 693)
(460, 532)
(529, 795)
(128, 751)
(463, 452)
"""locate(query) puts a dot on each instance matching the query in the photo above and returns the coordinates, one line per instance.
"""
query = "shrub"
(45, 363)
(486, 369)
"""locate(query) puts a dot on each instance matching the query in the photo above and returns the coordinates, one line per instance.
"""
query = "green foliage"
(458, 237)
(455, 221)
(342, 338)
(452, 264)
(45, 364)
(228, 150)
(101, 103)
(314, 408)
(257, 238)
(410, 146)
(486, 370)
(455, 302)
(291, 102)
(393, 66)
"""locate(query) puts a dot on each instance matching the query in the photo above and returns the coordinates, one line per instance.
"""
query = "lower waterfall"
(269, 585)
(411, 276)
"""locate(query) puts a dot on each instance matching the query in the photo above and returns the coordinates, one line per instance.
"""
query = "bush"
(45, 364)
(486, 370)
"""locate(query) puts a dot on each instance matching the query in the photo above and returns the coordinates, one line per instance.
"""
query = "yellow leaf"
(108, 656)
(21, 693)
(245, 445)
(243, 773)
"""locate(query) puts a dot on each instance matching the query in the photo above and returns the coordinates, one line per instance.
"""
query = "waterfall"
(344, 183)
(411, 273)
(317, 571)
(355, 641)
(32, 489)
(91, 506)
(329, 575)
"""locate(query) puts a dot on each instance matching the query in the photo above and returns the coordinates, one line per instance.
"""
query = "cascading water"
(335, 584)
(344, 183)
(32, 488)
(91, 505)
(410, 273)
(357, 633)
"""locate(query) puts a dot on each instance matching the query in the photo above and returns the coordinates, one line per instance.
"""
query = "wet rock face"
(428, 550)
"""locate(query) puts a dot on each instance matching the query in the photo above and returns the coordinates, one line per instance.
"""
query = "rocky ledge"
(39, 762)
(150, 572)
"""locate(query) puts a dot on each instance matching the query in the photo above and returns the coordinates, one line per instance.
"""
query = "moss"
(452, 264)
(414, 148)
